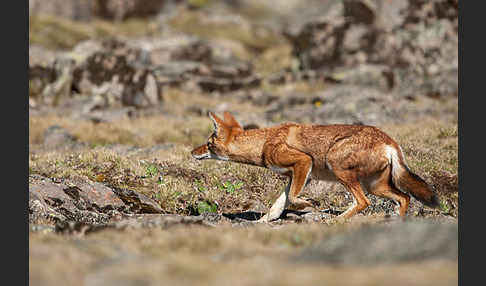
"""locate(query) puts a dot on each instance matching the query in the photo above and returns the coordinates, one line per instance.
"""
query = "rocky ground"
(119, 95)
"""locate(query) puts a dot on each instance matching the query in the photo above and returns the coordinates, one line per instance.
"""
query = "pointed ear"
(231, 121)
(218, 123)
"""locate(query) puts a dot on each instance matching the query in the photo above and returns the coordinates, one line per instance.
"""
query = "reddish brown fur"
(350, 154)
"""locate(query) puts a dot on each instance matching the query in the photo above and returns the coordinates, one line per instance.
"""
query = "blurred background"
(119, 92)
(369, 62)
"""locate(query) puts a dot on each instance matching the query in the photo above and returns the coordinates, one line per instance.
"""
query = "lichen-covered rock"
(122, 9)
(79, 199)
(113, 74)
(417, 39)
(181, 60)
(51, 84)
(137, 202)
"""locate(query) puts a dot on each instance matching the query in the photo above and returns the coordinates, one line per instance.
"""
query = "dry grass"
(60, 33)
(144, 131)
(197, 23)
(183, 185)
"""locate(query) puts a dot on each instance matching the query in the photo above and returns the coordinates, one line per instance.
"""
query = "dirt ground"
(252, 255)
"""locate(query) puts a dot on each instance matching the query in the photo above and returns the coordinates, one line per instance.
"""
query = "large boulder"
(414, 39)
(187, 60)
(116, 74)
(51, 83)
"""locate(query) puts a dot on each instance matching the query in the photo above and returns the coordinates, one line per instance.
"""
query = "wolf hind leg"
(349, 180)
(383, 187)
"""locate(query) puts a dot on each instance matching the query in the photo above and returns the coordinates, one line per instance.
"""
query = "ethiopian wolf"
(357, 156)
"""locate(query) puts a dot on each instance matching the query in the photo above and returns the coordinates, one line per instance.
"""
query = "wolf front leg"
(279, 206)
(289, 161)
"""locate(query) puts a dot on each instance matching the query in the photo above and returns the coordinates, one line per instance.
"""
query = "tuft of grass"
(230, 187)
(206, 207)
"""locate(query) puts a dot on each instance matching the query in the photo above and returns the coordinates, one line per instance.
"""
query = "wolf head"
(217, 145)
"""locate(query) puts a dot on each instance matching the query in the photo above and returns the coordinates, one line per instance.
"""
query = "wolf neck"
(247, 147)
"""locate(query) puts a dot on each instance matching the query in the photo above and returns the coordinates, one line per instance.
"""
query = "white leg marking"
(350, 208)
(278, 207)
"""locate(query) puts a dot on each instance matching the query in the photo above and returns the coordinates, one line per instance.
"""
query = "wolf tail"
(405, 180)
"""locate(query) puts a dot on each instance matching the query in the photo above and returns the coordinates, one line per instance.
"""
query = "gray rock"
(352, 104)
(416, 42)
(92, 195)
(56, 136)
(117, 75)
(396, 242)
(138, 203)
(50, 83)
(78, 199)
(123, 9)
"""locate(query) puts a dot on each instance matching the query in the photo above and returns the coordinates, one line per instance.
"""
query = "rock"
(78, 199)
(45, 199)
(56, 136)
(39, 78)
(40, 56)
(395, 242)
(85, 10)
(377, 76)
(39, 209)
(178, 60)
(119, 72)
(123, 9)
(51, 84)
(356, 104)
(215, 76)
(96, 115)
(92, 195)
(80, 10)
(84, 49)
(138, 203)
(412, 39)
(161, 50)
(116, 73)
